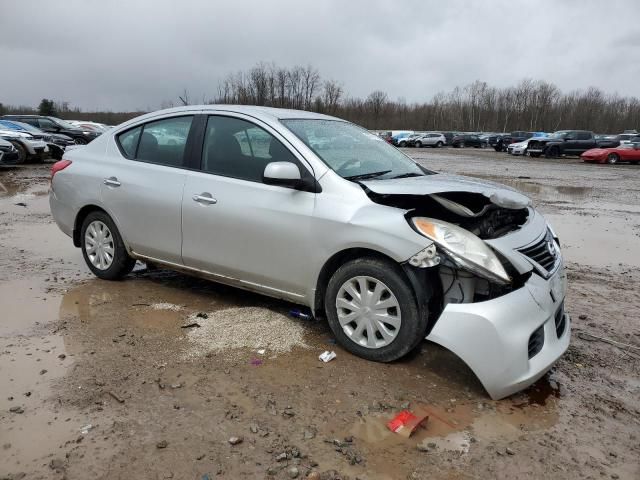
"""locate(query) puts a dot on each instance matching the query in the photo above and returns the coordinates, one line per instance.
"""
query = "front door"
(235, 225)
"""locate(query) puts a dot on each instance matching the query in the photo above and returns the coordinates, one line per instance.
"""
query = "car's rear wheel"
(103, 249)
(553, 152)
(22, 152)
(439, 145)
(613, 158)
(371, 310)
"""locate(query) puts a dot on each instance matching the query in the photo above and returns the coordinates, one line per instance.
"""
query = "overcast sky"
(135, 54)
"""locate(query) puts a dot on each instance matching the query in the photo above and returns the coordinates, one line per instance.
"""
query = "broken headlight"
(463, 247)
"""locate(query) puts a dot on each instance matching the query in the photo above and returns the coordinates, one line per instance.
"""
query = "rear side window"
(129, 141)
(162, 142)
(584, 136)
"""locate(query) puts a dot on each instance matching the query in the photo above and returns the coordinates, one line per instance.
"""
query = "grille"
(544, 253)
(561, 321)
(536, 341)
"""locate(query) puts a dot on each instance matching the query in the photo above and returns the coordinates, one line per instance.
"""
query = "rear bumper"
(492, 337)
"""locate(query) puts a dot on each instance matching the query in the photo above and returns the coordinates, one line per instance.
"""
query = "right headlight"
(464, 248)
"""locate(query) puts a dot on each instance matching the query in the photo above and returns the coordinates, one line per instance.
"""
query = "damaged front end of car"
(491, 279)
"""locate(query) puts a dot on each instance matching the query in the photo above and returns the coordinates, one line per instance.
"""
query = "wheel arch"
(80, 216)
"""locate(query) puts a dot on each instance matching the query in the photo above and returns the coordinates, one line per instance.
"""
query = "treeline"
(534, 105)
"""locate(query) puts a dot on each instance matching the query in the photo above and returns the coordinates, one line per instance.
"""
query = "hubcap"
(99, 245)
(368, 312)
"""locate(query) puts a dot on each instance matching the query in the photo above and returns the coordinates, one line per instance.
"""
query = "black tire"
(122, 263)
(634, 162)
(439, 145)
(402, 144)
(22, 152)
(418, 144)
(534, 155)
(413, 325)
(461, 145)
(552, 152)
(80, 141)
(613, 158)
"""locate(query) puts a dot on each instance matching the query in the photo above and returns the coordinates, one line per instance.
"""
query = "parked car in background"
(449, 136)
(628, 136)
(399, 135)
(518, 148)
(86, 125)
(408, 141)
(55, 141)
(629, 153)
(388, 251)
(567, 142)
(56, 125)
(435, 140)
(500, 142)
(8, 153)
(27, 146)
(466, 140)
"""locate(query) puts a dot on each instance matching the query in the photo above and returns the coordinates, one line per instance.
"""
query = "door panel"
(146, 206)
(235, 225)
(251, 231)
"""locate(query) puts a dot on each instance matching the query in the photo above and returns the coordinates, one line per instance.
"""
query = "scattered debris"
(162, 444)
(256, 362)
(327, 356)
(191, 325)
(166, 306)
(20, 204)
(86, 429)
(405, 422)
(236, 440)
(293, 472)
(261, 351)
(202, 315)
(295, 313)
(16, 409)
(116, 397)
(62, 356)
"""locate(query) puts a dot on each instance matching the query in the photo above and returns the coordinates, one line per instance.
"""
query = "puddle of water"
(26, 305)
(542, 192)
(597, 240)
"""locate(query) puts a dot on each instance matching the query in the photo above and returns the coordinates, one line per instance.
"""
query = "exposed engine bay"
(486, 217)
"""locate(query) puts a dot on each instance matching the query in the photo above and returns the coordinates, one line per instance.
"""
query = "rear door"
(236, 226)
(142, 186)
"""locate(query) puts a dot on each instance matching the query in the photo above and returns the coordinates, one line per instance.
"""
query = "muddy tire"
(613, 158)
(553, 152)
(103, 249)
(22, 152)
(372, 311)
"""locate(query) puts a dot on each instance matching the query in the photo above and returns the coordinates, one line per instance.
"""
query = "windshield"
(353, 152)
(22, 126)
(560, 134)
(64, 124)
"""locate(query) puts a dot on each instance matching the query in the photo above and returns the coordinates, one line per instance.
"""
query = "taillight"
(58, 166)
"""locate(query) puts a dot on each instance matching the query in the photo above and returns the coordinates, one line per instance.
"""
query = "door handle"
(205, 198)
(111, 182)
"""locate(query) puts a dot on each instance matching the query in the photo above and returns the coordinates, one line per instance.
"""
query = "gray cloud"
(134, 54)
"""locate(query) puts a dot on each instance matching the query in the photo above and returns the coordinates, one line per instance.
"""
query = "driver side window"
(45, 123)
(239, 149)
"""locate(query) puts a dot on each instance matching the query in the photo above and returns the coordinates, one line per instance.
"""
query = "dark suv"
(466, 140)
(56, 125)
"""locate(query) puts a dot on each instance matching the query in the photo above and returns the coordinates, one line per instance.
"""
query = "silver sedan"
(320, 212)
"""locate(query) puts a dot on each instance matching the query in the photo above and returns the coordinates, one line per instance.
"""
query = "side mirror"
(286, 174)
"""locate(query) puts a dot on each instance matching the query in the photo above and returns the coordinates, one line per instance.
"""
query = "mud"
(105, 371)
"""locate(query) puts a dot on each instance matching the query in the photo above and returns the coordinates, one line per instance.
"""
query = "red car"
(623, 153)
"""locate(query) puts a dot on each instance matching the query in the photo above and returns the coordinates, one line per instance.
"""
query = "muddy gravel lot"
(166, 376)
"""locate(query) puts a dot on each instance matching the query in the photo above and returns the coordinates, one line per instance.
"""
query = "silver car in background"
(320, 212)
(430, 139)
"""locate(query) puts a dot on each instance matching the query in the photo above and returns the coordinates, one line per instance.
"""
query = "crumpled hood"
(500, 195)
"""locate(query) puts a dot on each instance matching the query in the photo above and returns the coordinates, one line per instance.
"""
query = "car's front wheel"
(418, 144)
(103, 248)
(439, 145)
(22, 152)
(372, 310)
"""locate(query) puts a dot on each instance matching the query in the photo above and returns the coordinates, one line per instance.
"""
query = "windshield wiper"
(364, 176)
(410, 174)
